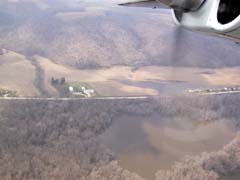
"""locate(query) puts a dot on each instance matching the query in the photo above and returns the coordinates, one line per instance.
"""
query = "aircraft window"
(228, 10)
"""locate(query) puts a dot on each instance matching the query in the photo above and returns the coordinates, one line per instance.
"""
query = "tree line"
(60, 139)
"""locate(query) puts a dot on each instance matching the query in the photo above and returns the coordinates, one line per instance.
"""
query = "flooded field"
(147, 144)
(172, 87)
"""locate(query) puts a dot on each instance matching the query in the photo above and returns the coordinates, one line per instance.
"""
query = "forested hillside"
(88, 35)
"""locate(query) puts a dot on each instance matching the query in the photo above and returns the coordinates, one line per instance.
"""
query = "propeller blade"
(146, 4)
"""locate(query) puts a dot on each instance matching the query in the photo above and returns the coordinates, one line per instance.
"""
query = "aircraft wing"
(145, 3)
(211, 16)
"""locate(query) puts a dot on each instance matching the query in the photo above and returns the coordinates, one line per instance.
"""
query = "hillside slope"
(91, 36)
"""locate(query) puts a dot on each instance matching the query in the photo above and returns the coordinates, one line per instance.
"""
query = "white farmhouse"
(70, 88)
(88, 92)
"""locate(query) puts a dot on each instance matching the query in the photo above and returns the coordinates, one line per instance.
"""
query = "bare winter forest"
(59, 140)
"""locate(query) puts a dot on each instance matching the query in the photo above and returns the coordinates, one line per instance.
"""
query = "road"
(106, 97)
(67, 99)
(221, 93)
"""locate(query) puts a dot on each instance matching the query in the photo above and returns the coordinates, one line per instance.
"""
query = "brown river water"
(147, 144)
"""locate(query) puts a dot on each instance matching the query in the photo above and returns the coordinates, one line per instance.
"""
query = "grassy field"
(111, 81)
(17, 74)
(77, 86)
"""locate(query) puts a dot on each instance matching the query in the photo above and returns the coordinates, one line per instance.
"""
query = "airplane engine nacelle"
(217, 16)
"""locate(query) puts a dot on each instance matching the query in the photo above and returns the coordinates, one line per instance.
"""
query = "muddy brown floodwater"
(147, 144)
